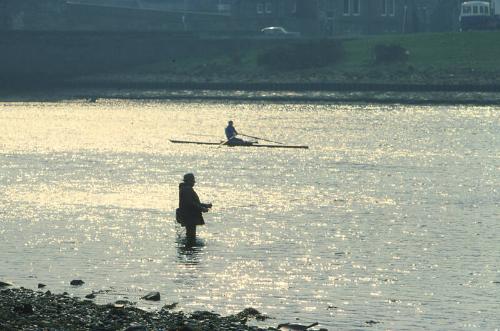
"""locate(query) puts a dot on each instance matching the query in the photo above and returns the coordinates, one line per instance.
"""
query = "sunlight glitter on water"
(390, 216)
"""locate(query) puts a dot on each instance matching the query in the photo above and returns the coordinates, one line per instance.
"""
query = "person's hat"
(189, 177)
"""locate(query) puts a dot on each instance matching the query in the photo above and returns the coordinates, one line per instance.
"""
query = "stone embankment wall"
(31, 56)
(59, 15)
(33, 15)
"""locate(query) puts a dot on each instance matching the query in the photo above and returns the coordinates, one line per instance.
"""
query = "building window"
(347, 7)
(388, 7)
(260, 8)
(391, 7)
(269, 7)
(223, 6)
(352, 7)
(356, 7)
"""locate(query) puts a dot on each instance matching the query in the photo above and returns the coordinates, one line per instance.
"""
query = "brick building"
(315, 18)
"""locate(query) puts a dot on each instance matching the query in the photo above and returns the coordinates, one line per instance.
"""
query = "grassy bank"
(464, 61)
(440, 58)
(445, 51)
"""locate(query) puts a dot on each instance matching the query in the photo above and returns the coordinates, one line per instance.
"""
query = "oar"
(202, 135)
(271, 141)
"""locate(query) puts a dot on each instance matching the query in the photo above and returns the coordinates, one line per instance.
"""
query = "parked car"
(279, 31)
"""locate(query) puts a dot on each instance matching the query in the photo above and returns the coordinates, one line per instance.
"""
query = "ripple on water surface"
(391, 216)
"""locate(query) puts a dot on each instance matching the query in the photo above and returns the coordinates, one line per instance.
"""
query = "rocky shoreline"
(211, 94)
(26, 309)
(233, 87)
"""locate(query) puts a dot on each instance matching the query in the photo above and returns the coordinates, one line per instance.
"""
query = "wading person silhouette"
(190, 210)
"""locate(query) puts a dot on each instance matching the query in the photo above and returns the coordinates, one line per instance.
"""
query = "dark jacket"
(190, 207)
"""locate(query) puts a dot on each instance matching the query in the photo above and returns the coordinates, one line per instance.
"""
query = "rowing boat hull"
(237, 145)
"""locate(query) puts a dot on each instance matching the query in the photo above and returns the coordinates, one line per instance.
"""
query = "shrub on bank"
(390, 53)
(312, 54)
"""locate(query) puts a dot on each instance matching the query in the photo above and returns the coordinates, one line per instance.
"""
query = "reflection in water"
(189, 251)
(391, 216)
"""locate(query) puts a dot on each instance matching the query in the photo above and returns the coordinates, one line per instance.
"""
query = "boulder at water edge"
(4, 284)
(152, 296)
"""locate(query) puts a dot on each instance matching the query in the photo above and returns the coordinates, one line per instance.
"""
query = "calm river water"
(390, 221)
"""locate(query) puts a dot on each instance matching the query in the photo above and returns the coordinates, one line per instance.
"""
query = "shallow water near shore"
(388, 221)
